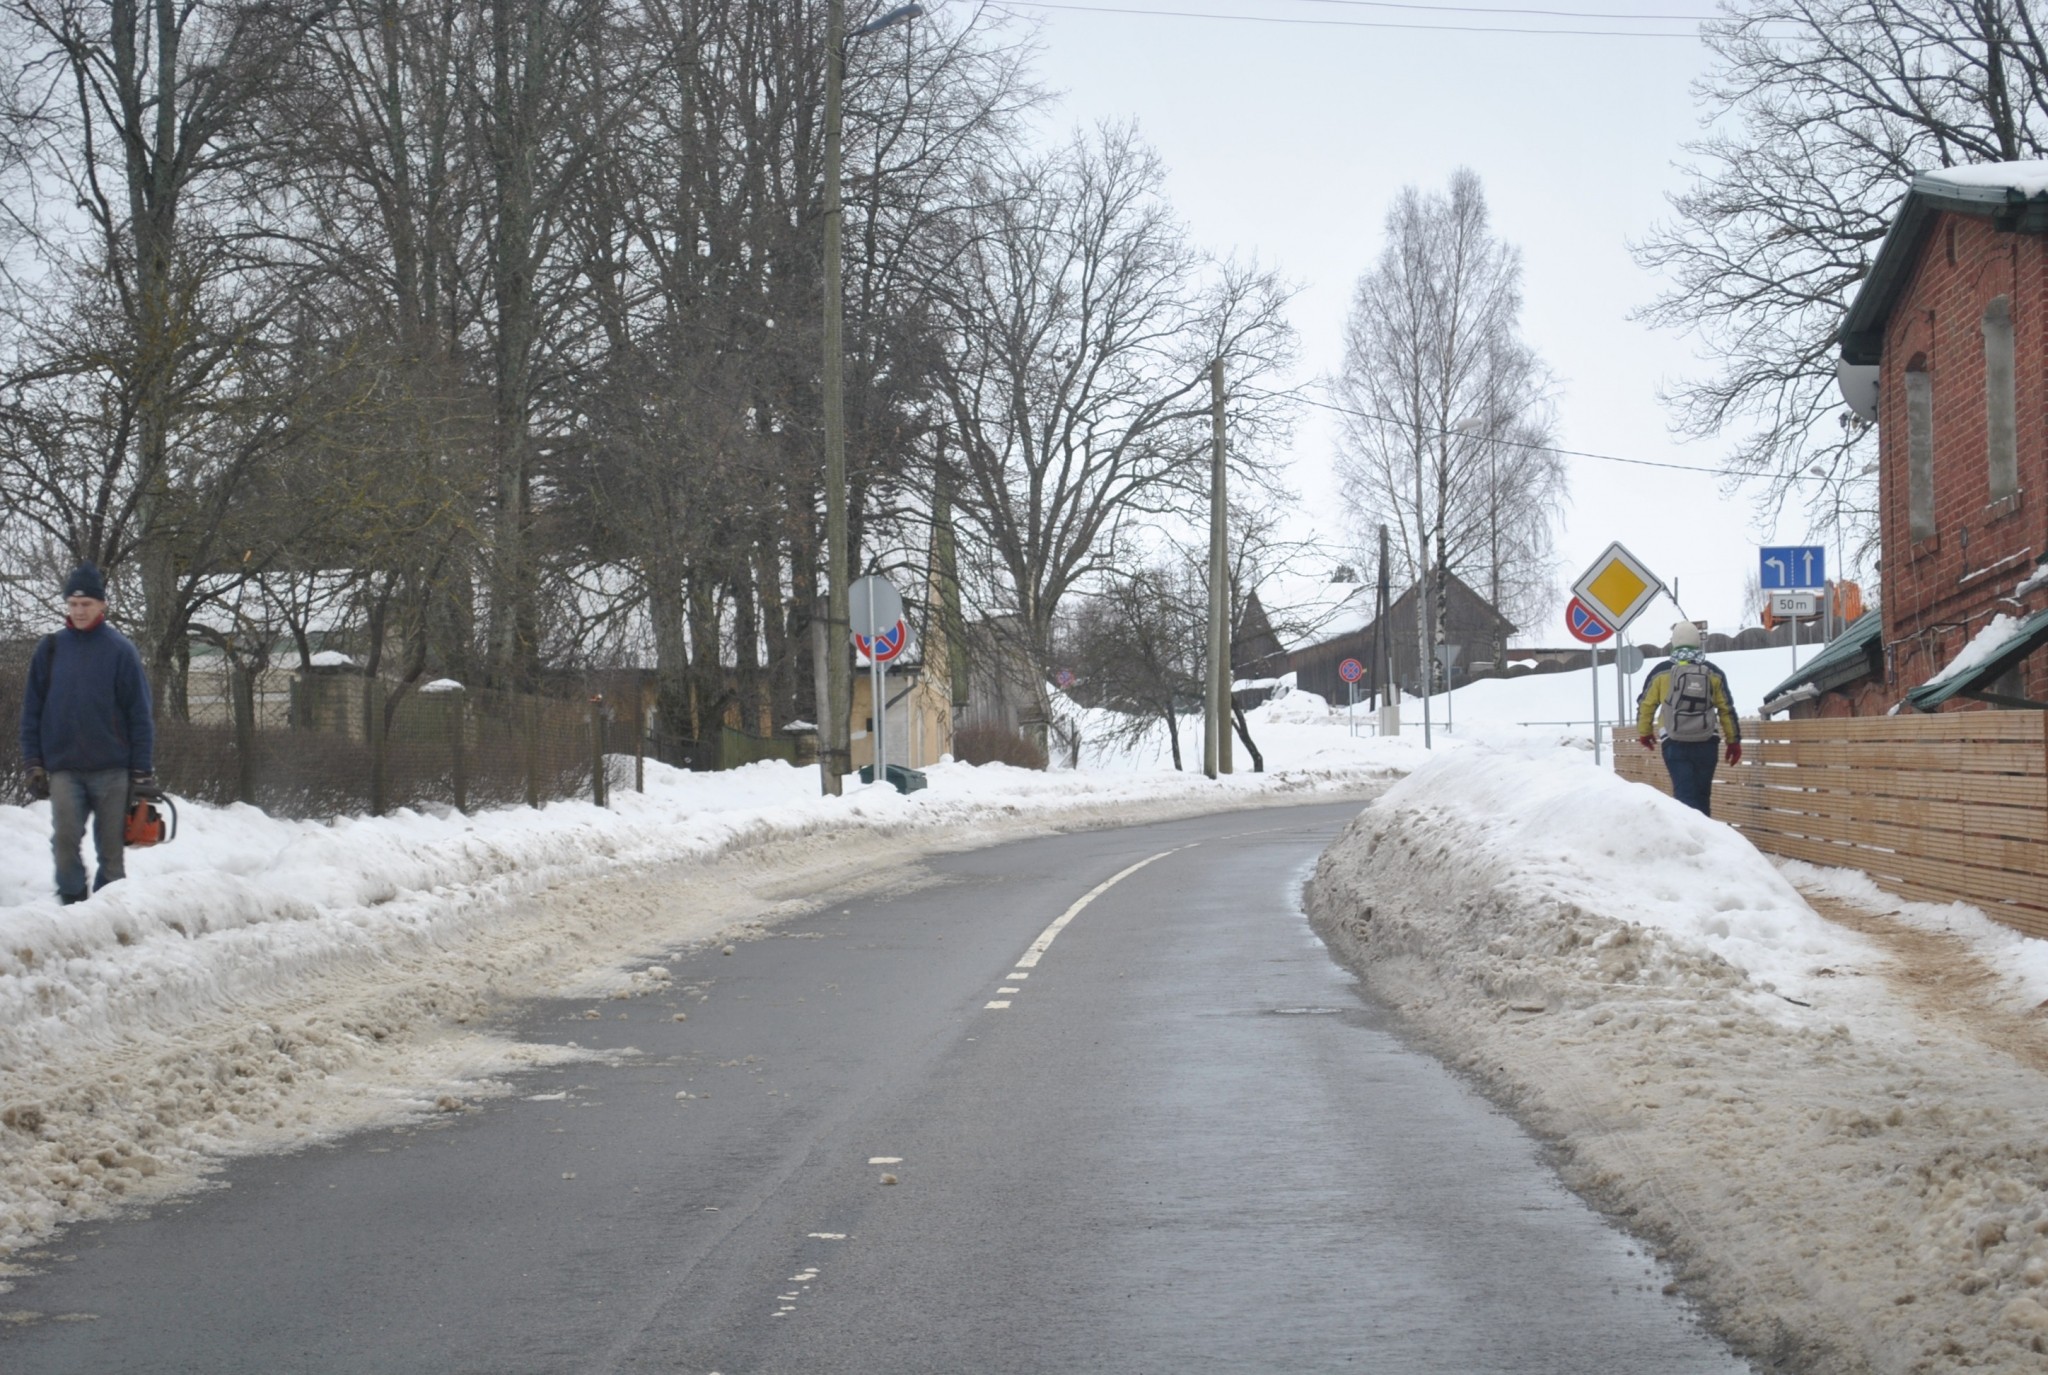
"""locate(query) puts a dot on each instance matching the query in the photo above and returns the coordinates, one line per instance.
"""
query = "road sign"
(1585, 627)
(1630, 658)
(1065, 677)
(1795, 606)
(1616, 587)
(1447, 655)
(882, 648)
(1787, 567)
(872, 606)
(1351, 670)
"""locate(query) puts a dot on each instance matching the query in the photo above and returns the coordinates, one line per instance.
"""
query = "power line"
(1343, 23)
(1496, 9)
(1527, 444)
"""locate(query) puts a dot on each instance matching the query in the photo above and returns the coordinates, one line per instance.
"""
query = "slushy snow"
(1847, 1166)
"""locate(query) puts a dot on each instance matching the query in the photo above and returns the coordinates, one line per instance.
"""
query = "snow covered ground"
(1836, 1130)
(1829, 1108)
(260, 982)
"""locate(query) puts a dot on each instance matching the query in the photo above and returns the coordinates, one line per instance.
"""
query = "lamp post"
(1829, 614)
(835, 752)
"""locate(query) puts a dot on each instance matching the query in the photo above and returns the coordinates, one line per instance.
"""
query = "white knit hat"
(1685, 635)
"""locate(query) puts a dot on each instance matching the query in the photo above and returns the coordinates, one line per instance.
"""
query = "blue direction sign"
(1793, 567)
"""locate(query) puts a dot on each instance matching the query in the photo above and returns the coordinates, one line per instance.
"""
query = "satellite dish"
(1858, 382)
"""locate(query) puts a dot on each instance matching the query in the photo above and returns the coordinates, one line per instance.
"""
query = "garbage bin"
(906, 780)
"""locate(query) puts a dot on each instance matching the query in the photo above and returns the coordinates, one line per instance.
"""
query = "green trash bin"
(906, 780)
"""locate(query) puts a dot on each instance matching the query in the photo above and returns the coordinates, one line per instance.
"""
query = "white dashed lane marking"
(1051, 933)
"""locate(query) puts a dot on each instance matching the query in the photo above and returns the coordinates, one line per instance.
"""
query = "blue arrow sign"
(1793, 567)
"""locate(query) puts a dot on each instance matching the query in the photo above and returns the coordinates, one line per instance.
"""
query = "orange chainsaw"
(152, 819)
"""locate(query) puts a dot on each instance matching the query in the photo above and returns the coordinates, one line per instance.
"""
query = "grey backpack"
(1689, 706)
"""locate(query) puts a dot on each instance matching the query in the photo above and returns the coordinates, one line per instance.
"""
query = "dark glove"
(142, 783)
(38, 782)
(1735, 751)
(1648, 742)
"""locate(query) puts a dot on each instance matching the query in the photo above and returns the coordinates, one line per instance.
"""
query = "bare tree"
(1082, 325)
(1447, 417)
(1835, 104)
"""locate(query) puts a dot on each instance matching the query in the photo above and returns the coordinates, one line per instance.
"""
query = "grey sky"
(1289, 141)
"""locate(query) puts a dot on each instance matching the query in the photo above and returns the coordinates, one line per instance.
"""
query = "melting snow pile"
(1840, 1185)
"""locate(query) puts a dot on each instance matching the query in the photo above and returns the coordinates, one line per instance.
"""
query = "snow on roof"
(332, 658)
(1982, 648)
(2028, 178)
(1304, 609)
(438, 685)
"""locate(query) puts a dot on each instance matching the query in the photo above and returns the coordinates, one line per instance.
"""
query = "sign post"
(1627, 659)
(1612, 591)
(1788, 568)
(875, 612)
(1351, 671)
(1447, 655)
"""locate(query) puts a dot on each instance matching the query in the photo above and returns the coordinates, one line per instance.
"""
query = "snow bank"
(260, 982)
(1841, 1183)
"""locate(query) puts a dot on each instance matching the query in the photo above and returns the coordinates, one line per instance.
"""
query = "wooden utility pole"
(1216, 736)
(834, 746)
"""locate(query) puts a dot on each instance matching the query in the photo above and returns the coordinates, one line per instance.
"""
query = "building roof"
(2012, 195)
(1995, 651)
(1845, 659)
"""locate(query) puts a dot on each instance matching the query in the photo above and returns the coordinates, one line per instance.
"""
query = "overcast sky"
(1290, 141)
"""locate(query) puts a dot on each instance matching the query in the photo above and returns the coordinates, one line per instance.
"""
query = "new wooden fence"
(1936, 808)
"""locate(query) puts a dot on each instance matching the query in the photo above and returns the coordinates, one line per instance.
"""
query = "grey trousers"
(102, 796)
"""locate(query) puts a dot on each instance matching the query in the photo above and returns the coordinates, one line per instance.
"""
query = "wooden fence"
(1942, 808)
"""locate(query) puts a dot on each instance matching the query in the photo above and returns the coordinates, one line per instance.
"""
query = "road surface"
(1151, 1129)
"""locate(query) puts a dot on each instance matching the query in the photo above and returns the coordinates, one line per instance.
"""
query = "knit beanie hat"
(1685, 635)
(85, 581)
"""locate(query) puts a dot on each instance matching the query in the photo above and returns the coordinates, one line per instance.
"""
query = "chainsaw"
(152, 819)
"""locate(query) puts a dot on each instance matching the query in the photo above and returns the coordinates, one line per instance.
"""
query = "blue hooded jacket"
(86, 705)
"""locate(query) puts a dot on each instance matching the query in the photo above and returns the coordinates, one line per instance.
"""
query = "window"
(2000, 406)
(1919, 448)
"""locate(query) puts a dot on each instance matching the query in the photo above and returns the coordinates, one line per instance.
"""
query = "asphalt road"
(1178, 1141)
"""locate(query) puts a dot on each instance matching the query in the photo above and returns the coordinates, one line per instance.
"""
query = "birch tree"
(1447, 414)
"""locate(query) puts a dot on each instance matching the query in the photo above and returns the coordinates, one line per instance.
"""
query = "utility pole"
(835, 743)
(1216, 740)
(835, 755)
(1422, 598)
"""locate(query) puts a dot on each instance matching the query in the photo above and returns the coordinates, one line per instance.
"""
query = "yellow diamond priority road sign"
(1617, 586)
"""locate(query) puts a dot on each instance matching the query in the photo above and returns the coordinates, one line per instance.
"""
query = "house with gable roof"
(1946, 348)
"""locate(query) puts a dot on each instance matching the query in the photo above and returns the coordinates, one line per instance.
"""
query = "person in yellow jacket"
(1689, 698)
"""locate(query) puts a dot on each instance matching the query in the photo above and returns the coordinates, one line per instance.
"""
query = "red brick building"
(1954, 319)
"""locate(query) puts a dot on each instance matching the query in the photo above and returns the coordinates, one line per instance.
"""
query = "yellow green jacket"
(1658, 686)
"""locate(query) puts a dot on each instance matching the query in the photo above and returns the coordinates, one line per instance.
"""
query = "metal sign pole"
(1593, 651)
(1352, 713)
(877, 677)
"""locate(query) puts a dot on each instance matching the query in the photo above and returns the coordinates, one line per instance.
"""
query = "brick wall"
(1939, 592)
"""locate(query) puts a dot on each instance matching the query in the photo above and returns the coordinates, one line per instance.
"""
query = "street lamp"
(835, 753)
(1828, 615)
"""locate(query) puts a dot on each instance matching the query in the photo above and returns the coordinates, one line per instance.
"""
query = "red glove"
(1735, 751)
(1648, 742)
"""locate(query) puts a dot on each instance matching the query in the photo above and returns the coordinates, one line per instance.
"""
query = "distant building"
(1313, 639)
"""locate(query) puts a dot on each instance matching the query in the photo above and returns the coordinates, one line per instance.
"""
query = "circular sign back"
(873, 605)
(1585, 627)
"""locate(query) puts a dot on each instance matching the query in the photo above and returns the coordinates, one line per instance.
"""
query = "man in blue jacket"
(87, 739)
